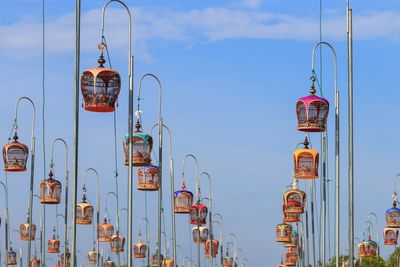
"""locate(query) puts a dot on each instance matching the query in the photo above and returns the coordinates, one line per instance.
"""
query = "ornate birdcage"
(24, 231)
(306, 162)
(140, 249)
(154, 258)
(142, 146)
(361, 250)
(84, 211)
(11, 257)
(214, 244)
(68, 258)
(200, 234)
(105, 230)
(50, 190)
(392, 216)
(294, 199)
(168, 263)
(35, 262)
(117, 243)
(290, 217)
(370, 248)
(312, 112)
(294, 238)
(291, 257)
(100, 87)
(183, 200)
(198, 214)
(390, 236)
(53, 245)
(148, 178)
(227, 261)
(108, 263)
(15, 155)
(283, 232)
(92, 256)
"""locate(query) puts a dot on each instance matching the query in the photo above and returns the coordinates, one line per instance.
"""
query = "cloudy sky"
(231, 72)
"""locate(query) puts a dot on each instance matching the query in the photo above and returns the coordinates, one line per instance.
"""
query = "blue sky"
(231, 72)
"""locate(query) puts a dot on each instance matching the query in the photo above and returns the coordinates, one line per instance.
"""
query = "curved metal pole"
(172, 181)
(180, 253)
(41, 226)
(337, 163)
(197, 194)
(97, 209)
(116, 218)
(210, 216)
(120, 211)
(28, 260)
(160, 134)
(6, 229)
(221, 237)
(234, 248)
(66, 191)
(395, 187)
(377, 235)
(147, 234)
(20, 248)
(130, 124)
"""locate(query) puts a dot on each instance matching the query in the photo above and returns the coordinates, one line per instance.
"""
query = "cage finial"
(312, 89)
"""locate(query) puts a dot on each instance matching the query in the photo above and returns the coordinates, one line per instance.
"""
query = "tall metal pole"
(116, 219)
(76, 128)
(197, 195)
(307, 256)
(97, 207)
(210, 218)
(160, 141)
(377, 235)
(6, 218)
(32, 169)
(351, 146)
(221, 237)
(172, 178)
(312, 222)
(130, 125)
(337, 158)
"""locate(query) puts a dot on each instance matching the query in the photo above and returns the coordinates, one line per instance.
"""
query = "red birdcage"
(198, 214)
(84, 211)
(306, 162)
(390, 236)
(142, 146)
(105, 230)
(92, 256)
(24, 231)
(100, 88)
(283, 232)
(117, 243)
(53, 245)
(50, 190)
(11, 257)
(183, 200)
(35, 262)
(214, 244)
(148, 178)
(200, 234)
(294, 199)
(290, 217)
(139, 249)
(15, 156)
(312, 112)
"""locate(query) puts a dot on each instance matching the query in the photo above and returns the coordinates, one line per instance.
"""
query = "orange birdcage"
(142, 146)
(105, 230)
(35, 262)
(148, 178)
(108, 263)
(214, 244)
(15, 155)
(50, 190)
(24, 231)
(291, 257)
(84, 210)
(283, 232)
(100, 87)
(390, 236)
(53, 245)
(183, 200)
(68, 258)
(117, 243)
(306, 162)
(139, 249)
(294, 199)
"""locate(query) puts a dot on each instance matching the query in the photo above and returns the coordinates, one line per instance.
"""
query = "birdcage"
(198, 214)
(291, 257)
(283, 232)
(84, 212)
(117, 243)
(183, 200)
(168, 263)
(35, 262)
(108, 263)
(148, 178)
(100, 88)
(290, 217)
(294, 199)
(154, 258)
(200, 234)
(392, 216)
(312, 112)
(24, 231)
(370, 248)
(53, 245)
(105, 230)
(68, 258)
(15, 156)
(227, 261)
(50, 190)
(142, 145)
(214, 244)
(92, 256)
(11, 257)
(139, 250)
(390, 236)
(306, 162)
(294, 240)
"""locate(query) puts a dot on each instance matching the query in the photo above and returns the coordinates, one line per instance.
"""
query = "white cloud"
(210, 24)
(252, 3)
